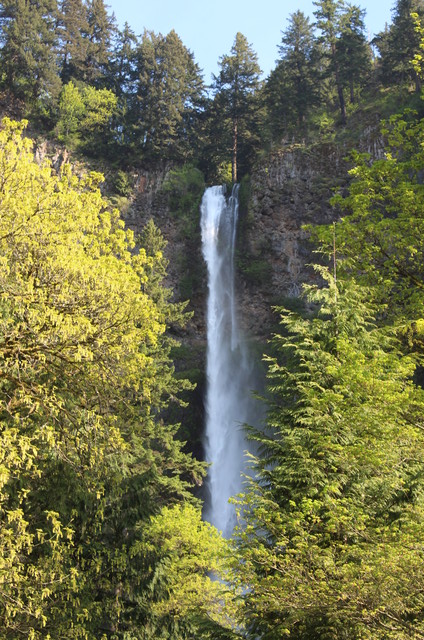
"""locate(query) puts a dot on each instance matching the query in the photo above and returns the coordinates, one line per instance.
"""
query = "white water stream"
(229, 369)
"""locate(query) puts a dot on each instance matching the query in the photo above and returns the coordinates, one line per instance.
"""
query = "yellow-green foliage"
(83, 113)
(191, 565)
(417, 61)
(71, 288)
(83, 370)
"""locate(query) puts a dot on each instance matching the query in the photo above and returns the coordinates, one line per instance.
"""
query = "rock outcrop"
(288, 189)
(291, 189)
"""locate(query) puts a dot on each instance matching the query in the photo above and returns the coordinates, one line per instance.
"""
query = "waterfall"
(229, 370)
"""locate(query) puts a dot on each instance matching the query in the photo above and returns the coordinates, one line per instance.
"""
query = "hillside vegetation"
(101, 533)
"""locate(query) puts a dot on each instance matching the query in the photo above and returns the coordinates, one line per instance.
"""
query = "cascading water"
(229, 371)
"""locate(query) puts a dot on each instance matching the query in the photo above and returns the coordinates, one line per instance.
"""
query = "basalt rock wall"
(291, 189)
(288, 189)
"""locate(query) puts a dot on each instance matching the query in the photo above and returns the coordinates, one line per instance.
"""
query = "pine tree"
(28, 53)
(235, 88)
(169, 98)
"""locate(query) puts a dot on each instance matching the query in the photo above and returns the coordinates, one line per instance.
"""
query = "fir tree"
(28, 54)
(330, 544)
(235, 88)
(292, 89)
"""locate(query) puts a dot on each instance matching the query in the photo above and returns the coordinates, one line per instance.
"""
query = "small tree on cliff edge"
(235, 87)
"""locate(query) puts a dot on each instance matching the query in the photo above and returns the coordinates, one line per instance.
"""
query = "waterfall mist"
(230, 371)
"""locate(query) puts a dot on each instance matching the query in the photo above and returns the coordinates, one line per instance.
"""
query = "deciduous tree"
(86, 458)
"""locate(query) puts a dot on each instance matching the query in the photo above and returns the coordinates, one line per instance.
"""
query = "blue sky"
(208, 28)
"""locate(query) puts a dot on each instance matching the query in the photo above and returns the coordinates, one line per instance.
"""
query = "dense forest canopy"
(140, 100)
(101, 534)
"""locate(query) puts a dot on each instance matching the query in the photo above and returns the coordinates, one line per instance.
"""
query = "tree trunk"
(234, 160)
(341, 100)
(338, 84)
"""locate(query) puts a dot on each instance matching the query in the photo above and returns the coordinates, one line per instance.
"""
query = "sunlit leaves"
(332, 543)
(84, 372)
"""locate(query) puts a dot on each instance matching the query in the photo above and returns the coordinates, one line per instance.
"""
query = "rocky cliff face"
(290, 190)
(183, 252)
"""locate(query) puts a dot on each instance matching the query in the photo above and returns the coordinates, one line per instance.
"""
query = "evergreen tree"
(280, 115)
(399, 43)
(328, 20)
(101, 29)
(169, 98)
(122, 65)
(74, 30)
(334, 515)
(86, 32)
(353, 50)
(28, 53)
(292, 89)
(333, 520)
(235, 88)
(344, 46)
